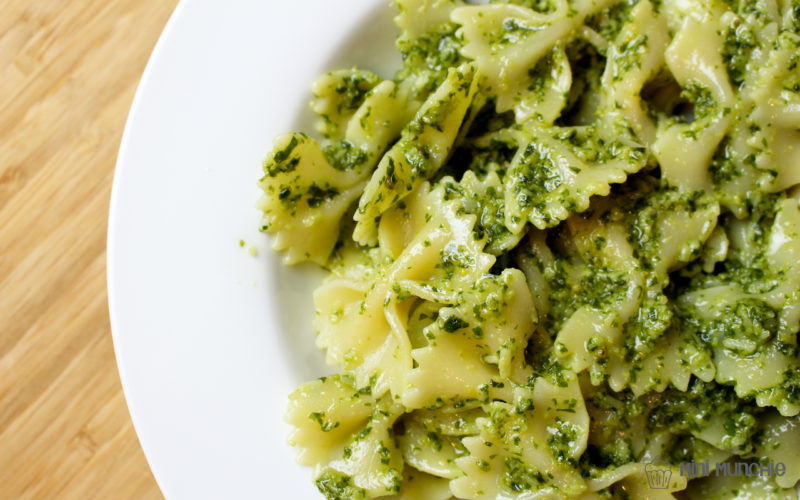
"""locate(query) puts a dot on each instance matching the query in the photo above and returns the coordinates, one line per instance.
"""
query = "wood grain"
(68, 72)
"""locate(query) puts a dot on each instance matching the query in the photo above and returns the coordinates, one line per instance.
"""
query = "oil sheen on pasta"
(564, 253)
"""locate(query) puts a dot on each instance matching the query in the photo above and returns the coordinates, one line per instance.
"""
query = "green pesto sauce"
(324, 424)
(610, 21)
(337, 486)
(594, 285)
(519, 477)
(561, 438)
(736, 50)
(489, 207)
(342, 155)
(352, 89)
(429, 56)
(683, 414)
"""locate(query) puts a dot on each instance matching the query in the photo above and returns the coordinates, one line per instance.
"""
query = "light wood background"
(68, 72)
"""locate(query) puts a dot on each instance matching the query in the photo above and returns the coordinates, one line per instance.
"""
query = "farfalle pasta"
(564, 254)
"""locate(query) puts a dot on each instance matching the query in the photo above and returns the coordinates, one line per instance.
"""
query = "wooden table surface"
(68, 73)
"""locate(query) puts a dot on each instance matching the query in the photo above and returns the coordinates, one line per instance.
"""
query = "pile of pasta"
(564, 252)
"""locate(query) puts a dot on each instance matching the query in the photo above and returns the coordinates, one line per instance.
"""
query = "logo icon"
(658, 475)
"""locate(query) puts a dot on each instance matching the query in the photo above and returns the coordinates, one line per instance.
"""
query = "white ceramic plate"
(209, 340)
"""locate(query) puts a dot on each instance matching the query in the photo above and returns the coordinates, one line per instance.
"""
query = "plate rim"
(113, 228)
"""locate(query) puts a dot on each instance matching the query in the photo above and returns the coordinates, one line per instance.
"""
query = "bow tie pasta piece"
(362, 134)
(528, 446)
(475, 347)
(781, 443)
(669, 227)
(376, 124)
(362, 335)
(337, 97)
(423, 148)
(635, 57)
(723, 422)
(483, 197)
(428, 43)
(308, 189)
(706, 421)
(363, 325)
(775, 117)
(324, 414)
(694, 58)
(557, 170)
(752, 324)
(758, 153)
(431, 439)
(591, 341)
(600, 293)
(546, 95)
(506, 41)
(379, 121)
(371, 465)
(304, 199)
